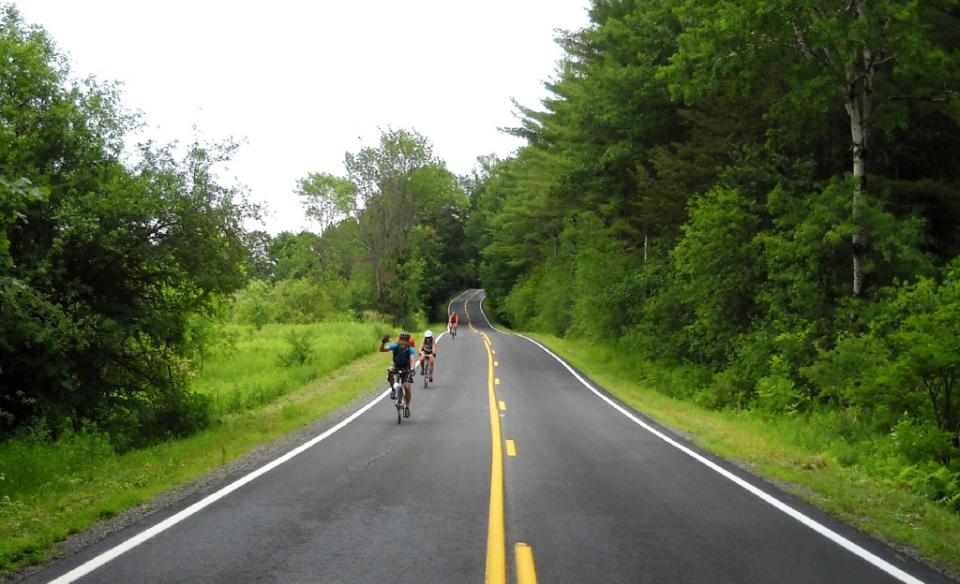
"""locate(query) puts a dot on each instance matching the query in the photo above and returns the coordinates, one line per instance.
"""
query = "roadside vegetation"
(51, 487)
(759, 225)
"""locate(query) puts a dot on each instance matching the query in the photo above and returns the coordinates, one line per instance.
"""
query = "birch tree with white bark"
(870, 56)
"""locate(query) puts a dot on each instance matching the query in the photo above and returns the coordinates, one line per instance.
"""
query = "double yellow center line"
(496, 567)
(496, 537)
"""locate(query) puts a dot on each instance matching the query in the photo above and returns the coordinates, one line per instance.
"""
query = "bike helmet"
(404, 336)
(427, 334)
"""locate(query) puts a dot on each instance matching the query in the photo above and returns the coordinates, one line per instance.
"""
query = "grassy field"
(51, 490)
(246, 369)
(798, 454)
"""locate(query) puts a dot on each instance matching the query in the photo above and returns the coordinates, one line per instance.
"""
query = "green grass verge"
(248, 368)
(790, 453)
(49, 491)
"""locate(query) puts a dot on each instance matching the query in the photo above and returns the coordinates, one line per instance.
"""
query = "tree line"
(387, 238)
(115, 267)
(761, 196)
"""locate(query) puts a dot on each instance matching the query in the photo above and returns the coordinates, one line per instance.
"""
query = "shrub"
(299, 350)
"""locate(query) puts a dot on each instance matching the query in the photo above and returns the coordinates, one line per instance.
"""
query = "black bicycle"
(398, 379)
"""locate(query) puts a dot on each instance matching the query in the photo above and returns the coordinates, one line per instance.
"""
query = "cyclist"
(428, 351)
(453, 322)
(403, 362)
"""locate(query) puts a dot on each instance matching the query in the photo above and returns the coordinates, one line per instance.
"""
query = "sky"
(300, 83)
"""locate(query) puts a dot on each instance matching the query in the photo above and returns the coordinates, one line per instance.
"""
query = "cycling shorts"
(406, 376)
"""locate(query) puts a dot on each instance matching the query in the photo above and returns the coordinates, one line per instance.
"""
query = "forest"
(754, 203)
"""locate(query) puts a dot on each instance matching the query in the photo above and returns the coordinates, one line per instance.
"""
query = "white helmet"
(427, 334)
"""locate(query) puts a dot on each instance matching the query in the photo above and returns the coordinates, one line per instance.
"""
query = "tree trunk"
(859, 242)
(859, 106)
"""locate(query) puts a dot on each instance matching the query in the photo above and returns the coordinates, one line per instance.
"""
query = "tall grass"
(250, 368)
(51, 489)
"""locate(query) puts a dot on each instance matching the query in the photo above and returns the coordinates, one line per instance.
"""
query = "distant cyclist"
(453, 322)
(404, 356)
(428, 351)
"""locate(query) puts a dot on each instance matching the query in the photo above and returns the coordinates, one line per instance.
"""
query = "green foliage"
(52, 487)
(265, 364)
(520, 307)
(920, 442)
(851, 374)
(327, 198)
(15, 196)
(298, 351)
(936, 483)
(300, 301)
(253, 305)
(685, 196)
(101, 265)
(776, 392)
(926, 348)
(598, 309)
(719, 278)
(392, 234)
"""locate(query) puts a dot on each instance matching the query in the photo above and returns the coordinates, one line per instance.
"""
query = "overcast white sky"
(303, 82)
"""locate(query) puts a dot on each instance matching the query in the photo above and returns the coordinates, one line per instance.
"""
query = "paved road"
(589, 493)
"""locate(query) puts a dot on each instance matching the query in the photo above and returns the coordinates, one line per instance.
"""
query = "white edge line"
(811, 523)
(169, 522)
(490, 324)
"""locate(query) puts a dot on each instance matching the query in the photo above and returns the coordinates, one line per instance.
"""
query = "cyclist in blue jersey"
(404, 358)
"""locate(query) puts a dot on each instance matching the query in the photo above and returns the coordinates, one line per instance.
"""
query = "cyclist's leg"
(433, 359)
(392, 379)
(408, 387)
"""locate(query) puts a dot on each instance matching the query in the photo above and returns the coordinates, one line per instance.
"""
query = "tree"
(327, 198)
(385, 204)
(852, 53)
(99, 277)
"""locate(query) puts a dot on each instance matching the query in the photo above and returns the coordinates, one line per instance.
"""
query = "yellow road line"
(503, 406)
(496, 363)
(511, 448)
(496, 538)
(526, 571)
(496, 381)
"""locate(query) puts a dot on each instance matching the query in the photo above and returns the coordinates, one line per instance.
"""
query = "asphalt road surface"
(511, 469)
